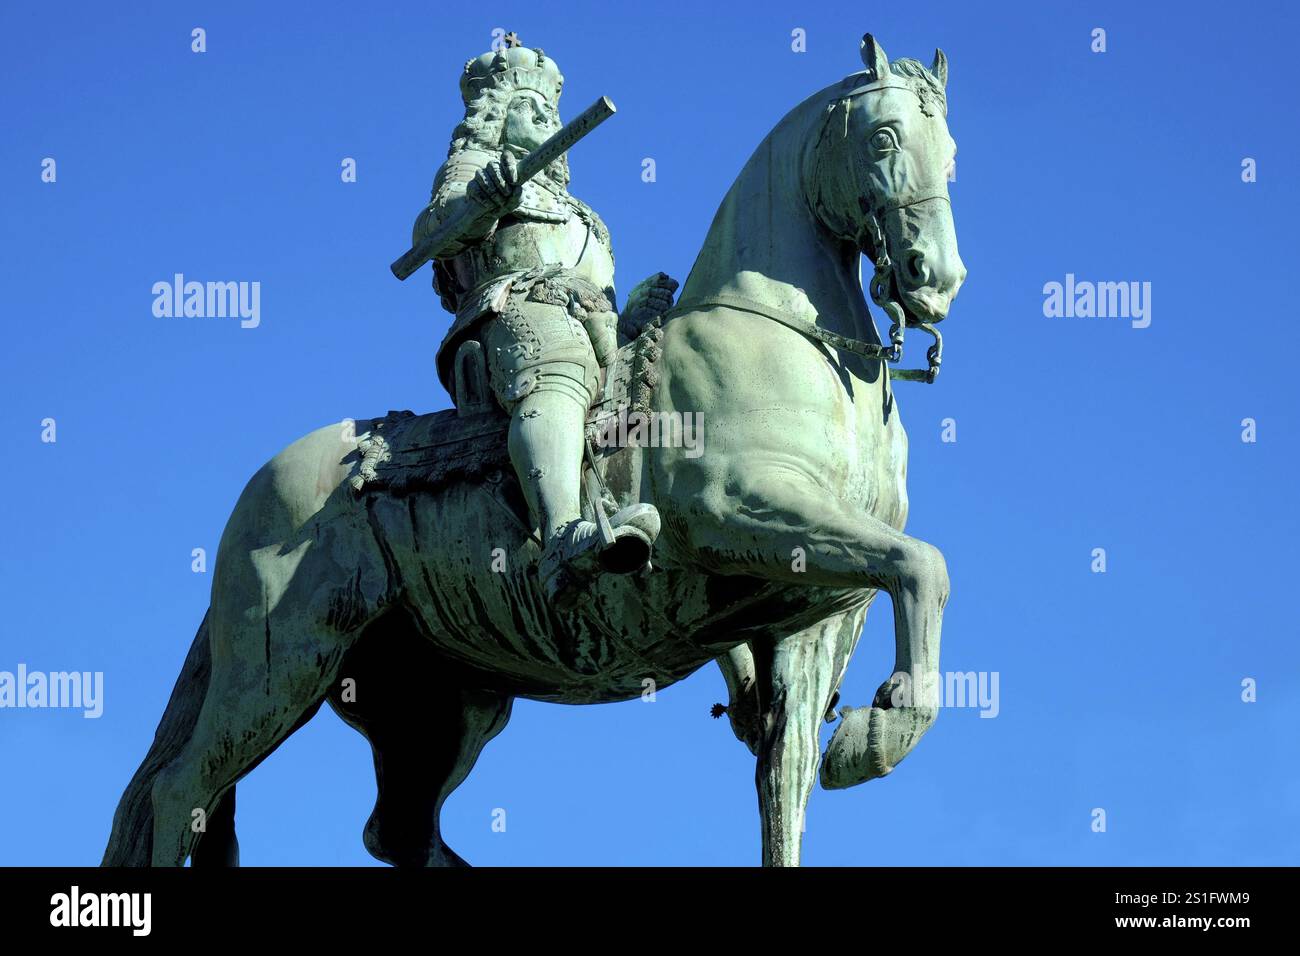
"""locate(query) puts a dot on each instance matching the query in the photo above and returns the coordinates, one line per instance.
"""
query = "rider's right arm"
(448, 197)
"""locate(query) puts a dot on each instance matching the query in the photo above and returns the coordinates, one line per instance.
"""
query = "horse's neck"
(765, 244)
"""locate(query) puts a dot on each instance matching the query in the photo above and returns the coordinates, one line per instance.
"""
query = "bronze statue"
(403, 573)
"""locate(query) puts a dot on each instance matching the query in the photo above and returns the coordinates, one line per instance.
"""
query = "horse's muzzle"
(928, 270)
(927, 305)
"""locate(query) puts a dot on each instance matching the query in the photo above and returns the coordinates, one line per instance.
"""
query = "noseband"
(881, 285)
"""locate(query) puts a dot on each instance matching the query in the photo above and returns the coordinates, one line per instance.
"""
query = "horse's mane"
(924, 83)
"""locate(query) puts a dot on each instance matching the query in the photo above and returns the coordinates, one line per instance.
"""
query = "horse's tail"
(131, 842)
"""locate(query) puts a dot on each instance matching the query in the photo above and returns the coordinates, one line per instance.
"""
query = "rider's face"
(529, 121)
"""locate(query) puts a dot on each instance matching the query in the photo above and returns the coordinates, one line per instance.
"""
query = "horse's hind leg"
(426, 728)
(281, 620)
(302, 568)
(252, 706)
(218, 846)
(796, 679)
(421, 756)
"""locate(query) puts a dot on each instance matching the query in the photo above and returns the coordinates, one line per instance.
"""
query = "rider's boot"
(546, 447)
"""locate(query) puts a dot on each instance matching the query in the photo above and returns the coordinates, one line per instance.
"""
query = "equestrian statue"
(420, 572)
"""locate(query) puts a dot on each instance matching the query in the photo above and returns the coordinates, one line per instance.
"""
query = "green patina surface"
(374, 557)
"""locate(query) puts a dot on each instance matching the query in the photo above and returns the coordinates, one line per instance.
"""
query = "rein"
(802, 326)
(892, 353)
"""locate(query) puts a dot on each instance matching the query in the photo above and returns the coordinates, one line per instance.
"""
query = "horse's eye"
(883, 141)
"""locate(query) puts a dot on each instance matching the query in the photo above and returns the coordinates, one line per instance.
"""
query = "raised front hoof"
(870, 742)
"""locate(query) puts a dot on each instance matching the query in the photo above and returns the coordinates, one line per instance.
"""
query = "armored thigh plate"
(533, 345)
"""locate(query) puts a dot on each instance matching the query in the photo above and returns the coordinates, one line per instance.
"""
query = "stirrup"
(582, 550)
(629, 536)
(635, 529)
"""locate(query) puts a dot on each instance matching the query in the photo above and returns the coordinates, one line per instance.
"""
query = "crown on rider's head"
(512, 67)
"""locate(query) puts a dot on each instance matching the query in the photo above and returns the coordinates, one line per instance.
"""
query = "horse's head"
(881, 180)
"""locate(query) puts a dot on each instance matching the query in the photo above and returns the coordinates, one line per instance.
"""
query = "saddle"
(403, 453)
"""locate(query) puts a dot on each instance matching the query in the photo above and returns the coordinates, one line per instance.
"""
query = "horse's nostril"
(917, 270)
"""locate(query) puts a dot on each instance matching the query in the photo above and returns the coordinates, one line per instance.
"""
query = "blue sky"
(1119, 691)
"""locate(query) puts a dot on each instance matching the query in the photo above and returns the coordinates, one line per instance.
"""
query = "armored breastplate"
(546, 230)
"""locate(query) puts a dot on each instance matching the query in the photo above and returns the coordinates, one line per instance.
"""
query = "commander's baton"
(470, 215)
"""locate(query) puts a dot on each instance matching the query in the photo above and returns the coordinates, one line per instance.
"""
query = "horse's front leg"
(870, 741)
(780, 525)
(797, 678)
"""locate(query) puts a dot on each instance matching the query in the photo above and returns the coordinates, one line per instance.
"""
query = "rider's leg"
(543, 371)
(546, 439)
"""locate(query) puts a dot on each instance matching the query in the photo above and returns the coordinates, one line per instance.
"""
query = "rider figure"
(535, 285)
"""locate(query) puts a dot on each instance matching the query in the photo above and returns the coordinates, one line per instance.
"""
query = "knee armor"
(534, 345)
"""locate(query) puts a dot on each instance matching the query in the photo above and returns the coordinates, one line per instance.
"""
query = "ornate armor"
(532, 277)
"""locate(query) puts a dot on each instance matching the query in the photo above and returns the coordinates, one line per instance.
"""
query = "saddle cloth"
(404, 452)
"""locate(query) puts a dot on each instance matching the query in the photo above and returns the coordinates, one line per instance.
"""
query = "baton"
(471, 214)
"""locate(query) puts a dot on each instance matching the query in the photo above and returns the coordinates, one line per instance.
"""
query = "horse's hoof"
(870, 742)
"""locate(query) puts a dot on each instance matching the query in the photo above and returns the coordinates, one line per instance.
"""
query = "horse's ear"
(873, 57)
(940, 67)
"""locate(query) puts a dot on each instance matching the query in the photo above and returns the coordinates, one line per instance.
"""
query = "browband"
(873, 86)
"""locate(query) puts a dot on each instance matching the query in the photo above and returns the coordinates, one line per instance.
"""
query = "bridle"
(881, 287)
(883, 282)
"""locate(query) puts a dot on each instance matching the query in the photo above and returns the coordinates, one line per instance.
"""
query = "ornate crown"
(513, 67)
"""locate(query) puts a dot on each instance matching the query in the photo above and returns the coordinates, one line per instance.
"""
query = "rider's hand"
(648, 300)
(495, 187)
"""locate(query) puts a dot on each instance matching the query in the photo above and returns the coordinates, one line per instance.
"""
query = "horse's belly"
(467, 574)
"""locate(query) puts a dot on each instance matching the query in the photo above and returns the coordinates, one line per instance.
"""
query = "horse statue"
(388, 565)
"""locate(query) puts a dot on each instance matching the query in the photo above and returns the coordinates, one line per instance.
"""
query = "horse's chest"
(776, 404)
(875, 456)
